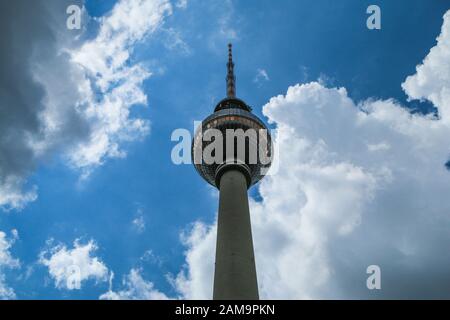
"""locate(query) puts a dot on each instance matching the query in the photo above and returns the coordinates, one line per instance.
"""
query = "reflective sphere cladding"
(245, 140)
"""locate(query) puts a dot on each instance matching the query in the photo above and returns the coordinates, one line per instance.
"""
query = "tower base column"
(235, 271)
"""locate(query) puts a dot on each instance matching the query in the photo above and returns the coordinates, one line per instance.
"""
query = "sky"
(93, 207)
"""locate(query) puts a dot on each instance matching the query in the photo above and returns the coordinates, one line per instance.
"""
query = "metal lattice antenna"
(231, 79)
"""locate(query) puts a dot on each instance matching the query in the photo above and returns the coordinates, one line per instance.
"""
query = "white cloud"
(150, 257)
(261, 75)
(227, 27)
(72, 97)
(357, 185)
(12, 196)
(69, 268)
(432, 78)
(105, 63)
(182, 4)
(173, 40)
(134, 288)
(195, 282)
(382, 146)
(227, 23)
(139, 221)
(7, 261)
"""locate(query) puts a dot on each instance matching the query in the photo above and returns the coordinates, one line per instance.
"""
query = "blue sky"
(294, 42)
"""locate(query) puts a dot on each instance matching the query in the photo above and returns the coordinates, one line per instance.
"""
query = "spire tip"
(231, 89)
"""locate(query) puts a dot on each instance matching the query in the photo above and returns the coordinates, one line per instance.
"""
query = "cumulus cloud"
(61, 94)
(105, 63)
(7, 261)
(134, 287)
(25, 33)
(69, 268)
(195, 282)
(432, 78)
(358, 184)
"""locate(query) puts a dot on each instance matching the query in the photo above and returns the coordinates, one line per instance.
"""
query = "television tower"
(241, 157)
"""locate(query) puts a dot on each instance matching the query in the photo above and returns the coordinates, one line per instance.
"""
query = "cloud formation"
(7, 262)
(134, 287)
(261, 75)
(69, 268)
(65, 94)
(107, 72)
(139, 221)
(432, 78)
(26, 32)
(358, 184)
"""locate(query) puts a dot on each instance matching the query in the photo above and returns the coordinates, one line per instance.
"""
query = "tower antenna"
(231, 79)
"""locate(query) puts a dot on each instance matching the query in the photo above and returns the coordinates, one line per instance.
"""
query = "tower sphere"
(232, 137)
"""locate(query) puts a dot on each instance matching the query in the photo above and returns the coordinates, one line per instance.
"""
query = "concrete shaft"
(235, 271)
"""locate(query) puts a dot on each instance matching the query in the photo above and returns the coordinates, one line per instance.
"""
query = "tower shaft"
(235, 271)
